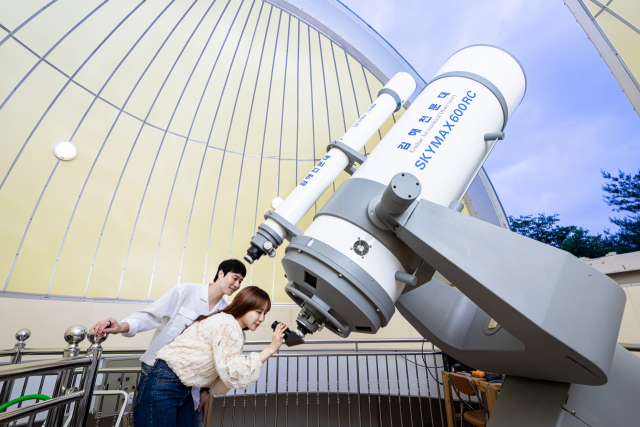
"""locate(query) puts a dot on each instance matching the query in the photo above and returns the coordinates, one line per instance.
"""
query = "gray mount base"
(560, 318)
(530, 403)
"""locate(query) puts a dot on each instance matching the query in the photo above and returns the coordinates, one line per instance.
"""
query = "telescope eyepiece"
(253, 254)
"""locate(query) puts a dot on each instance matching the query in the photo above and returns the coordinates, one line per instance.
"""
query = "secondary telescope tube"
(301, 199)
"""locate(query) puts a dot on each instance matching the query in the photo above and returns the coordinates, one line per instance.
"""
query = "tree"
(575, 240)
(542, 228)
(581, 244)
(624, 191)
(627, 239)
(624, 195)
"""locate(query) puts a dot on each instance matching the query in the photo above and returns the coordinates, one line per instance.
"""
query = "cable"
(424, 359)
(405, 357)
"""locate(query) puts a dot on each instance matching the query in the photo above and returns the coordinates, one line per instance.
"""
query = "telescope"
(539, 315)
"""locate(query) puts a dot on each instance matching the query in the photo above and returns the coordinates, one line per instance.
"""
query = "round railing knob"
(75, 334)
(95, 338)
(23, 334)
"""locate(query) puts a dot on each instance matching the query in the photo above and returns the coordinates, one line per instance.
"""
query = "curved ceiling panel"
(614, 28)
(189, 117)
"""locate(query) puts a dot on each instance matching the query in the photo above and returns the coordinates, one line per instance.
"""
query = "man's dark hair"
(231, 266)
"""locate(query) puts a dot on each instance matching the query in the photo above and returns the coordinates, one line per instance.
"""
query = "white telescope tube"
(316, 182)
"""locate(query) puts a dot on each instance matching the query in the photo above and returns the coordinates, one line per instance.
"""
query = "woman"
(207, 354)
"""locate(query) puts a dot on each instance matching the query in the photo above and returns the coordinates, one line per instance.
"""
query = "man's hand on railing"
(110, 326)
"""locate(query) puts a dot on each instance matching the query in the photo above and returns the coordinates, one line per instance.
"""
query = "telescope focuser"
(264, 242)
(290, 338)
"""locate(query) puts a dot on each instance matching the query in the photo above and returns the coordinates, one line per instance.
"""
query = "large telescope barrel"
(348, 269)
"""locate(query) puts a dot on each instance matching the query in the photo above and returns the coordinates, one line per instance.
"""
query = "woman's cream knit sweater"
(209, 354)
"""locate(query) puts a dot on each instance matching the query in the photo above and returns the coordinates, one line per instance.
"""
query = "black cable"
(415, 363)
(424, 359)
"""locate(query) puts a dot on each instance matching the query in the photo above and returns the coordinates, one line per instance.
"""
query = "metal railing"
(119, 414)
(64, 392)
(314, 386)
(342, 376)
(336, 388)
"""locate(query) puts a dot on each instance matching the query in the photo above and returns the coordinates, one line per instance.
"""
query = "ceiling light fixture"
(65, 150)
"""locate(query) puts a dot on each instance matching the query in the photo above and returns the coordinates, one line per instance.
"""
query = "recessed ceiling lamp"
(65, 150)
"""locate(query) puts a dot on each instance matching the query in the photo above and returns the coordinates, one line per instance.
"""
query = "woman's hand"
(110, 326)
(204, 397)
(278, 337)
(276, 342)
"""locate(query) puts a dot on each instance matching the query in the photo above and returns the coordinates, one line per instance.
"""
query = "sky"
(574, 120)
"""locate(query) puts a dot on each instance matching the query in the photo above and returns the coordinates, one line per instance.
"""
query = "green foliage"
(627, 239)
(624, 191)
(623, 194)
(575, 240)
(581, 244)
(541, 228)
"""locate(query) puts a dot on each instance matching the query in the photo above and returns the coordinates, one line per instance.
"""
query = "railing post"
(74, 335)
(88, 381)
(7, 387)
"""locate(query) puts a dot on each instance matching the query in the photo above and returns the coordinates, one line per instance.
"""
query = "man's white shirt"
(170, 315)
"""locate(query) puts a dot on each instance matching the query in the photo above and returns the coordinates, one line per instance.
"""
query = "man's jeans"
(162, 400)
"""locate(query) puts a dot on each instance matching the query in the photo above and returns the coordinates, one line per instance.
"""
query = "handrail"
(359, 353)
(7, 417)
(27, 369)
(140, 350)
(118, 370)
(130, 370)
(350, 341)
(43, 351)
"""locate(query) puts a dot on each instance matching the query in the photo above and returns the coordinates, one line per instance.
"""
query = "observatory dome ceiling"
(187, 117)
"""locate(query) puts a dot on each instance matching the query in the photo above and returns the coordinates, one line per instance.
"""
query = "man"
(173, 312)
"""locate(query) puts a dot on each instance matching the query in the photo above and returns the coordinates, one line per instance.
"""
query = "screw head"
(23, 334)
(75, 334)
(339, 275)
(573, 412)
